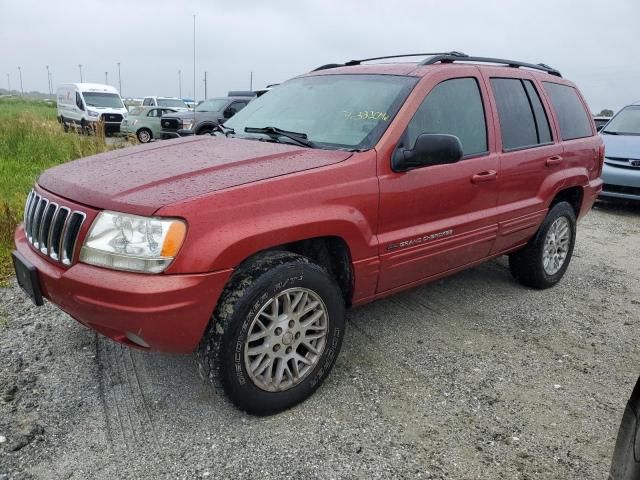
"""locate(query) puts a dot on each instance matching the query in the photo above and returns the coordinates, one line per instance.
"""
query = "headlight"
(129, 242)
(187, 124)
(93, 114)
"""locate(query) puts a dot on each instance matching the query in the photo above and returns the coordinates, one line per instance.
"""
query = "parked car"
(144, 122)
(83, 105)
(339, 187)
(204, 119)
(601, 122)
(621, 173)
(169, 102)
(625, 462)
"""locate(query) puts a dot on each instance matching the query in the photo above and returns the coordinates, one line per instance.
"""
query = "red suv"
(336, 188)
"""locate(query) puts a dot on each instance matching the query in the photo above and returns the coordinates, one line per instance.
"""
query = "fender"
(228, 226)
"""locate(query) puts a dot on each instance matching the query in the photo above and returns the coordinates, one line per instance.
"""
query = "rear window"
(574, 120)
(523, 121)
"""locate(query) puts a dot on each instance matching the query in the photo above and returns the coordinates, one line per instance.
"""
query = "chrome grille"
(51, 228)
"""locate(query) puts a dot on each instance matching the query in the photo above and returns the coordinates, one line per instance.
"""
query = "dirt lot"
(471, 377)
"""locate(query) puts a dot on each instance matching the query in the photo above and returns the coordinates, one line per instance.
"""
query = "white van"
(169, 102)
(85, 104)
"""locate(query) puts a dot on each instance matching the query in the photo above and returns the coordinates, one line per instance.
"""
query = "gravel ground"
(470, 377)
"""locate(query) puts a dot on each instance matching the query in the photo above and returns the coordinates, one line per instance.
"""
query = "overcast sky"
(594, 43)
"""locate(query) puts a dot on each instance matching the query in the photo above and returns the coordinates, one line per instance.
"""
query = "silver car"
(621, 172)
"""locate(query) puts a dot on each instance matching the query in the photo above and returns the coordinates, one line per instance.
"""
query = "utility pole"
(106, 78)
(205, 85)
(179, 83)
(119, 80)
(251, 81)
(21, 89)
(80, 68)
(9, 82)
(195, 95)
(48, 80)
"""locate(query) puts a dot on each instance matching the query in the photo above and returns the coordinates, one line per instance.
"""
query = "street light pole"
(251, 81)
(80, 68)
(119, 80)
(205, 85)
(9, 82)
(195, 96)
(179, 83)
(48, 80)
(21, 89)
(106, 78)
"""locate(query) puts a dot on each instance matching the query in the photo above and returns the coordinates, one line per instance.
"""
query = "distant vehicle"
(144, 122)
(621, 172)
(169, 102)
(601, 122)
(204, 119)
(85, 104)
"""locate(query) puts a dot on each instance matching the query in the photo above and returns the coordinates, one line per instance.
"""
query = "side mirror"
(229, 112)
(429, 149)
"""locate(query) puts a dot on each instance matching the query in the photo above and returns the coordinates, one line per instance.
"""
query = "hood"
(621, 146)
(142, 179)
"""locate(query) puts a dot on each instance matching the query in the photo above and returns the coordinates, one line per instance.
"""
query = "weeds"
(31, 140)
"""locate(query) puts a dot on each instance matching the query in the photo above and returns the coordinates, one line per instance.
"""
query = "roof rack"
(448, 58)
(352, 63)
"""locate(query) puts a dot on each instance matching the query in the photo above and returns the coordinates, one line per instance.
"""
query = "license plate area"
(27, 277)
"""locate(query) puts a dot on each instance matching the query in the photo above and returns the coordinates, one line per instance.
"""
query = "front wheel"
(543, 261)
(275, 335)
(144, 135)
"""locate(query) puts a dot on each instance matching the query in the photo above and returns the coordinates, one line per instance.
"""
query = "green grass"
(31, 140)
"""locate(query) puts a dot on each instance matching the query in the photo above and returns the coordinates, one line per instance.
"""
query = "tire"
(625, 463)
(144, 135)
(528, 264)
(226, 353)
(65, 126)
(205, 131)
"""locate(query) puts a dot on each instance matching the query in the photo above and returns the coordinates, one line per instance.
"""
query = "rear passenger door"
(439, 218)
(530, 159)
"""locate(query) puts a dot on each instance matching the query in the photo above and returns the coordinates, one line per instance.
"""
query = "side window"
(453, 107)
(239, 106)
(147, 102)
(153, 113)
(517, 123)
(542, 122)
(79, 101)
(573, 119)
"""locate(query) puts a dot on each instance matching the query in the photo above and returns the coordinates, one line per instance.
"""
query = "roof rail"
(448, 58)
(351, 63)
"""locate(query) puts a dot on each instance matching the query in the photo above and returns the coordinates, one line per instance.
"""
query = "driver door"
(439, 218)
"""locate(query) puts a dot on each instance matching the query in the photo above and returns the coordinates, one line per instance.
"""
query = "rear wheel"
(144, 135)
(543, 261)
(275, 335)
(205, 131)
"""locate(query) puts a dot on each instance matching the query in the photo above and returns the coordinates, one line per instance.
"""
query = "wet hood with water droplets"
(142, 179)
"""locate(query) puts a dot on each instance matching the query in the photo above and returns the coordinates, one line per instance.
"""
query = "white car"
(85, 104)
(167, 102)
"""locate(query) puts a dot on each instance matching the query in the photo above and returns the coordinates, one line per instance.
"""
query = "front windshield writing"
(340, 111)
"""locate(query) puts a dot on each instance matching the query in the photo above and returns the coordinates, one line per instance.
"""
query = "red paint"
(240, 197)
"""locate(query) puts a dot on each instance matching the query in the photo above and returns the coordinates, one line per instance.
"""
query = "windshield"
(626, 122)
(171, 102)
(100, 99)
(339, 111)
(135, 111)
(212, 105)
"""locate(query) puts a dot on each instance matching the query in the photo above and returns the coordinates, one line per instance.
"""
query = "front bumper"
(166, 134)
(621, 182)
(169, 313)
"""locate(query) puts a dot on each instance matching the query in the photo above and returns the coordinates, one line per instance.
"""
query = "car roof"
(431, 62)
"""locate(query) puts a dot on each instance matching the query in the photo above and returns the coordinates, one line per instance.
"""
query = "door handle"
(553, 161)
(488, 176)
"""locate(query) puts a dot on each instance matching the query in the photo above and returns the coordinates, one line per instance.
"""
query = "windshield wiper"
(275, 132)
(222, 129)
(609, 132)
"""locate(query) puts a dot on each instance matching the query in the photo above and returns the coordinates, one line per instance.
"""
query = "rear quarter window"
(573, 119)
